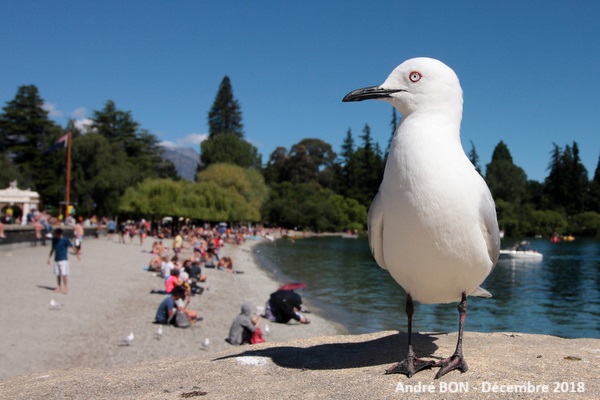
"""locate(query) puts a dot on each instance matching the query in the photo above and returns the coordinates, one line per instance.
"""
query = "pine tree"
(394, 125)
(474, 158)
(26, 133)
(567, 184)
(225, 143)
(594, 204)
(225, 116)
(506, 181)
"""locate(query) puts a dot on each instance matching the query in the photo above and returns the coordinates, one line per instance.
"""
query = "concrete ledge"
(342, 367)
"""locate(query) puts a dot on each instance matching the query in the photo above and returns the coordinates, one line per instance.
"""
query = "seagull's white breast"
(435, 205)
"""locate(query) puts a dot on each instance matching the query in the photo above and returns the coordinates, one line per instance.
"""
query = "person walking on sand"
(60, 248)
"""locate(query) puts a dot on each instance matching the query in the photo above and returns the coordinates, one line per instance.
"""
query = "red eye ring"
(415, 76)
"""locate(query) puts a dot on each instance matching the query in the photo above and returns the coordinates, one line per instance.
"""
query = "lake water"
(558, 296)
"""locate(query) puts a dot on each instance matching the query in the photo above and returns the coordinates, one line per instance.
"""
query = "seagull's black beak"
(369, 93)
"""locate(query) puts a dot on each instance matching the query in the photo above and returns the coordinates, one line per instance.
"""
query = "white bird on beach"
(206, 344)
(433, 223)
(54, 305)
(159, 332)
(127, 340)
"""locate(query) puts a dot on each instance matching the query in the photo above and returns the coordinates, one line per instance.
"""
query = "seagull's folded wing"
(375, 224)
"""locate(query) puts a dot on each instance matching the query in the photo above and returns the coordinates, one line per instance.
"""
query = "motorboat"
(521, 251)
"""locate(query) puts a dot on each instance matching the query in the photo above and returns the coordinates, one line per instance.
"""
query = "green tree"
(310, 206)
(349, 174)
(595, 190)
(143, 152)
(249, 183)
(370, 168)
(26, 133)
(505, 180)
(275, 170)
(203, 201)
(567, 184)
(229, 148)
(99, 174)
(225, 143)
(8, 171)
(394, 125)
(474, 158)
(225, 115)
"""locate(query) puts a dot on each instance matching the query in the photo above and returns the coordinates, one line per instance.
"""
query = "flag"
(60, 143)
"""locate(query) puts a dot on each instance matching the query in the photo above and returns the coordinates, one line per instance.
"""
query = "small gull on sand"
(54, 305)
(127, 340)
(432, 224)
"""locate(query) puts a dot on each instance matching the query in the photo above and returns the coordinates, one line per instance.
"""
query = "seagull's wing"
(489, 226)
(491, 234)
(375, 225)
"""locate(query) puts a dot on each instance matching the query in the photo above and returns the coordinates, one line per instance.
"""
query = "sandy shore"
(109, 296)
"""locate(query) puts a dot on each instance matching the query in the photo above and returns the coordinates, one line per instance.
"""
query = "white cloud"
(52, 110)
(84, 125)
(79, 113)
(191, 140)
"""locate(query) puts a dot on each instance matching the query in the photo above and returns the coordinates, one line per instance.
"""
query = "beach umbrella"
(292, 286)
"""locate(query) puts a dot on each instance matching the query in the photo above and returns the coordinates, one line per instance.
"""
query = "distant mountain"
(186, 160)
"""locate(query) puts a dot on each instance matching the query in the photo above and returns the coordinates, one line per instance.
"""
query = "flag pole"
(68, 186)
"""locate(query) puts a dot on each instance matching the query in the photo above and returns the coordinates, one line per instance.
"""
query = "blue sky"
(529, 69)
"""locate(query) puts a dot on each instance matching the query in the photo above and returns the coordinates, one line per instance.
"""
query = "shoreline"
(109, 296)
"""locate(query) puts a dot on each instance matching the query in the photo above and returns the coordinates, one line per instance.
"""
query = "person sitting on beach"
(225, 264)
(283, 306)
(245, 328)
(196, 272)
(166, 309)
(173, 281)
(210, 261)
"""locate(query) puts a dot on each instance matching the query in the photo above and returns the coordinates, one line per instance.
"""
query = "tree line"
(118, 168)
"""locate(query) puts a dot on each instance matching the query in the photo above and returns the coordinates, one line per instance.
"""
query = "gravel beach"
(109, 296)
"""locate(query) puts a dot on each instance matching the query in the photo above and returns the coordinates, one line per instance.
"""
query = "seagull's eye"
(415, 76)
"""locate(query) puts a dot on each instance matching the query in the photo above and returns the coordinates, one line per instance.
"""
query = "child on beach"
(60, 248)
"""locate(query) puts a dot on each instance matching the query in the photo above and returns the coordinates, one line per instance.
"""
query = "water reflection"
(559, 295)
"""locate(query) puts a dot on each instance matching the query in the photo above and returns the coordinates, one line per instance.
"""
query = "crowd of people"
(180, 265)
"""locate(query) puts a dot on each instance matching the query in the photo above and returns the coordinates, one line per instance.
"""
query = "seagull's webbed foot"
(457, 361)
(410, 366)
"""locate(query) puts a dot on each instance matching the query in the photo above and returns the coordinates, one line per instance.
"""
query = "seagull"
(159, 332)
(205, 344)
(127, 340)
(432, 225)
(54, 305)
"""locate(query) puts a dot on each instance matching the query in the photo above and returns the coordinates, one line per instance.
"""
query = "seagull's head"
(416, 84)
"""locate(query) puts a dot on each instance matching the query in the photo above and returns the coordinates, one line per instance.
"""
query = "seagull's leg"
(456, 361)
(411, 364)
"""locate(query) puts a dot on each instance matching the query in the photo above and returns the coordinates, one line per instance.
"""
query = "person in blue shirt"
(60, 248)
(167, 308)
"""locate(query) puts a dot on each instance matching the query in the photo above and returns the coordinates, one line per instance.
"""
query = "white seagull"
(128, 339)
(432, 224)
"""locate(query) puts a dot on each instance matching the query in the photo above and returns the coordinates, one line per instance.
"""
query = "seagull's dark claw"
(457, 361)
(410, 366)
